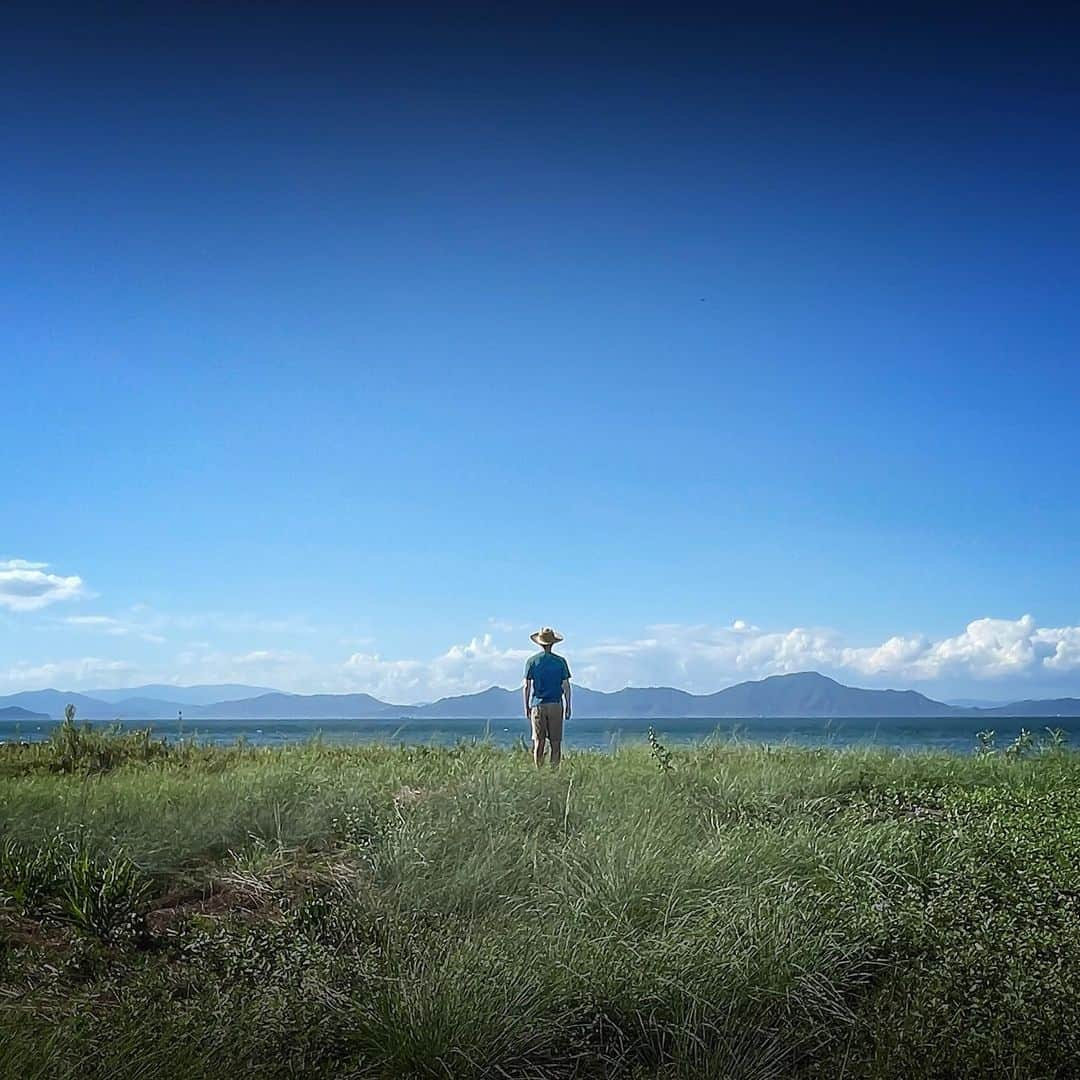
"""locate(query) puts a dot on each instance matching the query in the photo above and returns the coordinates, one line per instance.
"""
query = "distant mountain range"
(183, 695)
(804, 695)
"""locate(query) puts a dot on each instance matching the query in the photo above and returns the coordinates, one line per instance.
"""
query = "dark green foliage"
(31, 874)
(990, 945)
(103, 894)
(62, 878)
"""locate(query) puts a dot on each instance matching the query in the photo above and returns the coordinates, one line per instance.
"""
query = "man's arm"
(566, 698)
(526, 694)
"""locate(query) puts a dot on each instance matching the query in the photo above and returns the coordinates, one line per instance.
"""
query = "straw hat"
(546, 636)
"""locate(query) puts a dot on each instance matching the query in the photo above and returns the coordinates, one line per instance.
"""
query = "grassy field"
(722, 911)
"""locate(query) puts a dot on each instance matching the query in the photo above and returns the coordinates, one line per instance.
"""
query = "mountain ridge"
(796, 695)
(200, 694)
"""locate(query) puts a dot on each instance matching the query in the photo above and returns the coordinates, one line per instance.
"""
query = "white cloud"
(986, 649)
(706, 658)
(222, 622)
(399, 681)
(201, 663)
(25, 586)
(1012, 653)
(145, 623)
(70, 673)
(702, 657)
(462, 669)
(265, 658)
(1066, 648)
(114, 627)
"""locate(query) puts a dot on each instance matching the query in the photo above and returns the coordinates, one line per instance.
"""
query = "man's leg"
(539, 734)
(554, 733)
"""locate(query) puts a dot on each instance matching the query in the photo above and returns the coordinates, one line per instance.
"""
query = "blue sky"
(342, 348)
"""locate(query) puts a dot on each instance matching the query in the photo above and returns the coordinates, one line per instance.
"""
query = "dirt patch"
(18, 931)
(223, 899)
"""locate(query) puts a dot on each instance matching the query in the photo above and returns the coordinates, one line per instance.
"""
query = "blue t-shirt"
(547, 672)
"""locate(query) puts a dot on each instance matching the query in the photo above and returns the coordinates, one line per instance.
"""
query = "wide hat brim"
(550, 638)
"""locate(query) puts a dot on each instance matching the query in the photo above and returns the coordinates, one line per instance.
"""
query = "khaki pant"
(547, 720)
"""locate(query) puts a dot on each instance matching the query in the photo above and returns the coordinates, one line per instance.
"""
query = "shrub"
(80, 748)
(103, 895)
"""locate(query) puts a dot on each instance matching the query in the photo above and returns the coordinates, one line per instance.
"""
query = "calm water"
(953, 733)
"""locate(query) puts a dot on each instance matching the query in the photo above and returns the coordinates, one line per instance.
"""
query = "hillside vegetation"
(721, 911)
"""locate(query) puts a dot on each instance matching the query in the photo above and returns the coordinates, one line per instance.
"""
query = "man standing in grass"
(547, 686)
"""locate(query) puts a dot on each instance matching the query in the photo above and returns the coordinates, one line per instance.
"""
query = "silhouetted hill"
(809, 694)
(805, 694)
(182, 695)
(493, 703)
(1053, 707)
(17, 712)
(52, 703)
(142, 708)
(637, 702)
(278, 706)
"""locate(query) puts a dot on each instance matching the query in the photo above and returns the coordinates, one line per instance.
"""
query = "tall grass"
(725, 911)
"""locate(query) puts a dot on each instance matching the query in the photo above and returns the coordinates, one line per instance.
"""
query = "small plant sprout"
(661, 755)
(1056, 738)
(1023, 744)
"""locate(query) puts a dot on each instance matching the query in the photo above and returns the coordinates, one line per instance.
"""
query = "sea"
(956, 734)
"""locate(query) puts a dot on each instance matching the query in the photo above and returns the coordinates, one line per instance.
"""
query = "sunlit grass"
(728, 911)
